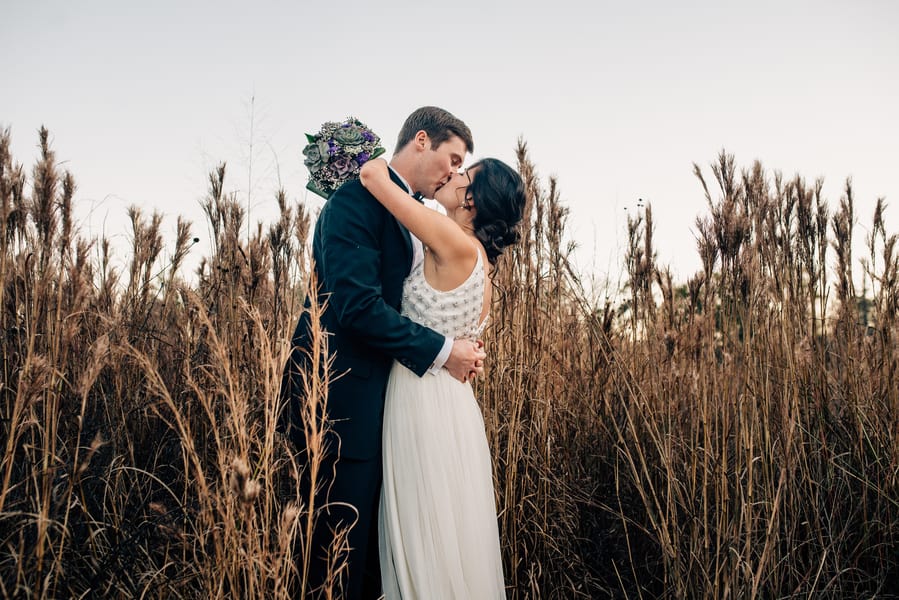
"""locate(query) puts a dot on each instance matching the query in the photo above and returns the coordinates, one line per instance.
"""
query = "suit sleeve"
(351, 261)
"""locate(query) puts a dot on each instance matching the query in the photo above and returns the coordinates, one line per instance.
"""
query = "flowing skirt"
(437, 525)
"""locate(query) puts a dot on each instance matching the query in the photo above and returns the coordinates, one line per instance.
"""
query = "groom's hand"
(466, 360)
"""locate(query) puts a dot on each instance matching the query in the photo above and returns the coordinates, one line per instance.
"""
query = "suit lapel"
(407, 237)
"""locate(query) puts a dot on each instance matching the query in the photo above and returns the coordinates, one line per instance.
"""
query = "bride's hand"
(372, 171)
(466, 359)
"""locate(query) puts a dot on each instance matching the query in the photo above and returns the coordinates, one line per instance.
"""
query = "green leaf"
(377, 152)
(310, 138)
(314, 188)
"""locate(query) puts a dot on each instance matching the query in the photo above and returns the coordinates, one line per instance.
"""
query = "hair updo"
(498, 195)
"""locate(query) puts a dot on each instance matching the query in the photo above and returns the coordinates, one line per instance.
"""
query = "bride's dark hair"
(498, 195)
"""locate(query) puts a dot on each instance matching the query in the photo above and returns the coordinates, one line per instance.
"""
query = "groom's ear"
(422, 140)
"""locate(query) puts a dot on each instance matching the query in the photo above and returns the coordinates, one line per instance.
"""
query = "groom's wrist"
(442, 356)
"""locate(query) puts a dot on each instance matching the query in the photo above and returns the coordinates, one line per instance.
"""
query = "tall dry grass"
(734, 436)
(140, 457)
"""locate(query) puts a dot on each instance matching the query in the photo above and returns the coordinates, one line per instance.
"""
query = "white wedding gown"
(437, 522)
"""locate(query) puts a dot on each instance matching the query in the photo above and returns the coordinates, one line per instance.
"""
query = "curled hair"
(498, 195)
(439, 124)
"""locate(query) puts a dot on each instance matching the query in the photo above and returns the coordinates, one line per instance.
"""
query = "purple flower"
(343, 166)
(362, 157)
(368, 136)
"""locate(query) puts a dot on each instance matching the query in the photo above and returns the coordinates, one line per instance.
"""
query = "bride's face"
(452, 195)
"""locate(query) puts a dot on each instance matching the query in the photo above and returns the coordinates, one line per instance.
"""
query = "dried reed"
(732, 437)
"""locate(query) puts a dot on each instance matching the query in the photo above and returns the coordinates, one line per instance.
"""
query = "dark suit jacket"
(362, 255)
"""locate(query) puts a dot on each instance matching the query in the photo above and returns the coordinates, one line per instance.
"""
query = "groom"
(362, 255)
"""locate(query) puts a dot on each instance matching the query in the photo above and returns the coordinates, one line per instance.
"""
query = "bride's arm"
(436, 231)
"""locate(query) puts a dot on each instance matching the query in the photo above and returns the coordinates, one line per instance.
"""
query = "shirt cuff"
(442, 356)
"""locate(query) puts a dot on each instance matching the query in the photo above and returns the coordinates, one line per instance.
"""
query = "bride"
(437, 525)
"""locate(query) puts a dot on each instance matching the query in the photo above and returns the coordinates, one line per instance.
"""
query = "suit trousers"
(349, 491)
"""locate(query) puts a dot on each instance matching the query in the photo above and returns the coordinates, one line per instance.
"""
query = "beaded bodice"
(454, 313)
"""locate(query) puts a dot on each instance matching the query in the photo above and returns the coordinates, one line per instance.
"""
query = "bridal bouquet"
(336, 153)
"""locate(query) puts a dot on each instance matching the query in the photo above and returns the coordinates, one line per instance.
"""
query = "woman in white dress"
(437, 524)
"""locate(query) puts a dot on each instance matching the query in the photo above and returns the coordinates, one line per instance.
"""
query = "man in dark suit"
(362, 256)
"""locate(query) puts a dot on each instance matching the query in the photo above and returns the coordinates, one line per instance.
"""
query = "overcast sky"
(615, 99)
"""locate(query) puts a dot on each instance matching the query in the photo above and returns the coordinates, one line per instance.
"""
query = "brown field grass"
(731, 437)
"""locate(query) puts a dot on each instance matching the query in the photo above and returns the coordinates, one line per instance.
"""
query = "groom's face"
(439, 164)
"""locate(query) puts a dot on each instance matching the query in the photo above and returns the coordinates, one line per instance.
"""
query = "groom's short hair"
(439, 124)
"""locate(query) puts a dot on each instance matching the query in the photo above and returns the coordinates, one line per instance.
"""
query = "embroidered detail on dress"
(453, 313)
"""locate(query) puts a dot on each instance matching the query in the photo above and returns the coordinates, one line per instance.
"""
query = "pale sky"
(615, 99)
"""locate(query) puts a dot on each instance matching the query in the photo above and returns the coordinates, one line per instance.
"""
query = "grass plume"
(730, 437)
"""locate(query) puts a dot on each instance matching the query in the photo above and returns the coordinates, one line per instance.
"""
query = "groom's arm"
(350, 264)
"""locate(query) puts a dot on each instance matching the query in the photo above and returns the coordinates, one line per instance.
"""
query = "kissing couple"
(406, 291)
